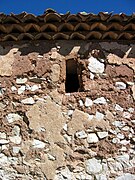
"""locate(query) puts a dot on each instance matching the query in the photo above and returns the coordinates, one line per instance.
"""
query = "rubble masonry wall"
(48, 133)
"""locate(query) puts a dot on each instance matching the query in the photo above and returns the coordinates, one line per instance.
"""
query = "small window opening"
(72, 81)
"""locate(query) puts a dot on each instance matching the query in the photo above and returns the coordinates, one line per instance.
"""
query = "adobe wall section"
(49, 132)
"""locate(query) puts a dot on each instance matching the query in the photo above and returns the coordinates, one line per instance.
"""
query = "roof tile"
(52, 25)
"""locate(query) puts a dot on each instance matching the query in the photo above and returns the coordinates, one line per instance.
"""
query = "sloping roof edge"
(52, 25)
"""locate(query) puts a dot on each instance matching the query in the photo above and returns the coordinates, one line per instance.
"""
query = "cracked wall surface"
(46, 133)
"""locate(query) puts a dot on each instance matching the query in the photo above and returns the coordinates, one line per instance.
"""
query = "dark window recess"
(72, 81)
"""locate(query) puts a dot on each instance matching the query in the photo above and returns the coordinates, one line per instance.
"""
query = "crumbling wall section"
(48, 133)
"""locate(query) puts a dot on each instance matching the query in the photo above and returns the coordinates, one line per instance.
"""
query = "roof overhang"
(54, 26)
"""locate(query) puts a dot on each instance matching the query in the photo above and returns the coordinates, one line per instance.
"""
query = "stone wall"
(48, 132)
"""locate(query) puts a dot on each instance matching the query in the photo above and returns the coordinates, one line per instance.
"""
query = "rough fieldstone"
(35, 87)
(93, 166)
(28, 101)
(3, 135)
(21, 89)
(38, 144)
(101, 177)
(126, 176)
(127, 115)
(79, 118)
(3, 141)
(70, 112)
(15, 139)
(81, 134)
(13, 88)
(3, 159)
(6, 62)
(66, 173)
(21, 80)
(95, 66)
(102, 135)
(11, 117)
(124, 142)
(133, 91)
(100, 100)
(120, 85)
(92, 138)
(16, 130)
(131, 110)
(80, 103)
(119, 124)
(16, 149)
(55, 73)
(99, 116)
(44, 115)
(88, 102)
(124, 160)
(120, 136)
(118, 108)
(109, 116)
(54, 55)
(91, 76)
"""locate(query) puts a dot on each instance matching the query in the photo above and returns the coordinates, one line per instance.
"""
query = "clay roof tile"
(53, 25)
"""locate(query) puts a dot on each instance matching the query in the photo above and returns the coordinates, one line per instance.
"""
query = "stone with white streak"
(95, 66)
(93, 166)
(88, 102)
(92, 138)
(120, 85)
(28, 101)
(100, 100)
